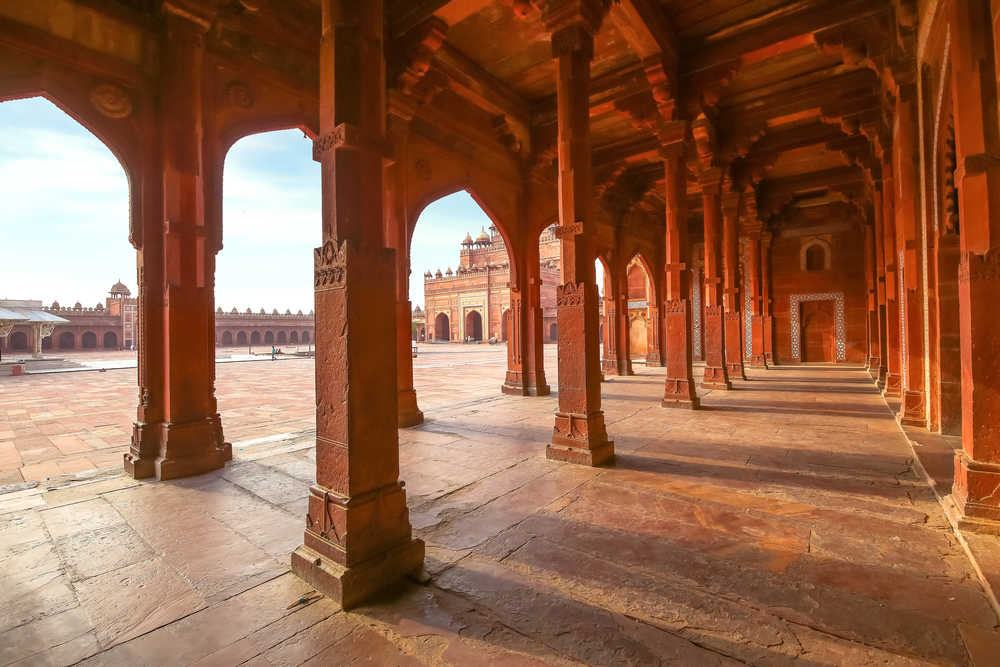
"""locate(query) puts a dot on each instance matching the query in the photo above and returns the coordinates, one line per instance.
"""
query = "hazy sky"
(64, 217)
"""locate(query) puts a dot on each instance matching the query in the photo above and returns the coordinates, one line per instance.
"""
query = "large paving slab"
(786, 523)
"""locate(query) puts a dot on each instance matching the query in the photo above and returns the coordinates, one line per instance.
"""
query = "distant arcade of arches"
(228, 338)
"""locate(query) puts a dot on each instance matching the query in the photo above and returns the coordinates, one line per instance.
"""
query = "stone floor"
(783, 524)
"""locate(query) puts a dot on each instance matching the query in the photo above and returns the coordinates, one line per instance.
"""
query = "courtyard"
(787, 522)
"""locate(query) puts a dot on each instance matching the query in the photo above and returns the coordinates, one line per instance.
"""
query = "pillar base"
(351, 586)
(581, 439)
(680, 393)
(893, 386)
(912, 412)
(715, 378)
(873, 367)
(974, 493)
(519, 383)
(408, 412)
(653, 359)
(193, 448)
(736, 371)
(758, 361)
(609, 366)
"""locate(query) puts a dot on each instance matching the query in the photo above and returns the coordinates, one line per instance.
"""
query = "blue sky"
(64, 217)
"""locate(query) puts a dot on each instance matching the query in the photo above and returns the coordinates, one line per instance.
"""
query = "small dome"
(274, 312)
(249, 312)
(219, 310)
(299, 313)
(416, 309)
(77, 306)
(449, 272)
(437, 274)
(234, 311)
(262, 312)
(99, 306)
(288, 311)
(483, 238)
(468, 240)
(120, 289)
(55, 305)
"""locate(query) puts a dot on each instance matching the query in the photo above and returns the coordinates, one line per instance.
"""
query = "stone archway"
(269, 338)
(89, 341)
(442, 327)
(110, 341)
(553, 333)
(67, 341)
(505, 326)
(241, 338)
(293, 337)
(282, 338)
(473, 325)
(255, 338)
(227, 338)
(305, 337)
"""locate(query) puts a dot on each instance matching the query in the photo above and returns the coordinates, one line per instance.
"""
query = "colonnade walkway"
(785, 523)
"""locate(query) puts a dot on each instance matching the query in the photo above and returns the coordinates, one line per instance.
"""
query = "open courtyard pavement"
(788, 522)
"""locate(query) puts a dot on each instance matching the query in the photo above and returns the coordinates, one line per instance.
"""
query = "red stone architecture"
(767, 184)
(472, 303)
(113, 325)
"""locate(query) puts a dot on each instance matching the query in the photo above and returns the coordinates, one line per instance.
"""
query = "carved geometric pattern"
(570, 294)
(747, 320)
(840, 327)
(330, 264)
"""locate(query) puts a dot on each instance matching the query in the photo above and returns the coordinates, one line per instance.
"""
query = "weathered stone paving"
(783, 524)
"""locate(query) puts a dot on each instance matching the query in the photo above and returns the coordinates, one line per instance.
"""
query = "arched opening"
(638, 291)
(89, 340)
(282, 338)
(255, 338)
(305, 337)
(227, 338)
(67, 341)
(110, 341)
(47, 343)
(473, 326)
(241, 338)
(505, 325)
(269, 338)
(442, 328)
(293, 337)
(18, 341)
(553, 332)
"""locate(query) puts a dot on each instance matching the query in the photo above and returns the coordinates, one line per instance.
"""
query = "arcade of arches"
(772, 184)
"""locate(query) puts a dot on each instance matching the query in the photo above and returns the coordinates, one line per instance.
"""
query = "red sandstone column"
(716, 373)
(733, 329)
(190, 437)
(357, 537)
(397, 232)
(533, 344)
(678, 388)
(654, 353)
(871, 280)
(913, 411)
(623, 347)
(879, 374)
(974, 86)
(757, 357)
(579, 434)
(767, 320)
(894, 377)
(609, 362)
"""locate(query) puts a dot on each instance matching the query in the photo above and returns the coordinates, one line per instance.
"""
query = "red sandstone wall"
(846, 275)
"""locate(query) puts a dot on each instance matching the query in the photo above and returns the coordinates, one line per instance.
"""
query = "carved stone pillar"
(609, 358)
(880, 372)
(874, 359)
(533, 341)
(357, 537)
(757, 356)
(679, 388)
(767, 320)
(189, 439)
(716, 372)
(974, 77)
(623, 339)
(913, 410)
(408, 412)
(733, 329)
(654, 354)
(579, 434)
(894, 377)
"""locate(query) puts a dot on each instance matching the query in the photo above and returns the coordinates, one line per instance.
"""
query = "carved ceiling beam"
(647, 30)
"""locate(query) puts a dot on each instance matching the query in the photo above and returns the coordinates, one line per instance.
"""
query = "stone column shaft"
(716, 373)
(893, 378)
(757, 357)
(974, 81)
(766, 318)
(357, 537)
(733, 328)
(679, 387)
(879, 374)
(579, 434)
(871, 281)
